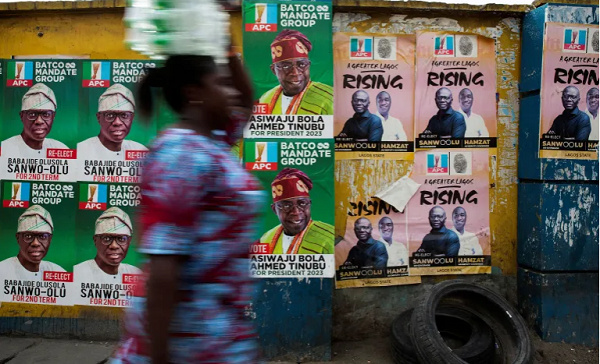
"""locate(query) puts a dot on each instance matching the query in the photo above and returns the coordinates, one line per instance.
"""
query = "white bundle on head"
(160, 28)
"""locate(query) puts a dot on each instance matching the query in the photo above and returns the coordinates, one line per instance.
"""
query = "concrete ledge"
(344, 5)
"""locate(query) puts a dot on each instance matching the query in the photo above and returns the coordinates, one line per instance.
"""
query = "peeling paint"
(572, 14)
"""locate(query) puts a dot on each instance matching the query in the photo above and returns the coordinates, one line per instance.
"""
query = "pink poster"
(569, 94)
(448, 218)
(374, 250)
(455, 91)
(374, 96)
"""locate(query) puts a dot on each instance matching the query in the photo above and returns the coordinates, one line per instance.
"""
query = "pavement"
(15, 350)
(50, 351)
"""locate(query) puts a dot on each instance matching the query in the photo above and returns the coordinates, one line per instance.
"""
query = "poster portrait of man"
(392, 127)
(469, 243)
(38, 110)
(591, 100)
(475, 124)
(446, 123)
(572, 123)
(34, 235)
(362, 126)
(112, 238)
(367, 252)
(297, 232)
(116, 113)
(296, 93)
(397, 251)
(440, 241)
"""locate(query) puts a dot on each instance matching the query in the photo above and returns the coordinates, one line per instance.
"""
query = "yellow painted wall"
(99, 33)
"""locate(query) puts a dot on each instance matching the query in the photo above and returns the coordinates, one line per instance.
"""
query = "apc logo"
(261, 156)
(19, 74)
(96, 74)
(575, 40)
(16, 194)
(437, 163)
(443, 46)
(92, 197)
(361, 48)
(261, 18)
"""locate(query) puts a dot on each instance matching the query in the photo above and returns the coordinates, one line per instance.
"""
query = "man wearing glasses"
(362, 126)
(112, 237)
(34, 235)
(297, 233)
(475, 125)
(446, 123)
(38, 108)
(116, 107)
(572, 123)
(367, 252)
(296, 94)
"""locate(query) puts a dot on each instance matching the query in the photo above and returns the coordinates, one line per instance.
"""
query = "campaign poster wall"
(569, 94)
(448, 218)
(40, 120)
(39, 271)
(455, 91)
(109, 151)
(297, 232)
(374, 96)
(374, 250)
(288, 52)
(93, 285)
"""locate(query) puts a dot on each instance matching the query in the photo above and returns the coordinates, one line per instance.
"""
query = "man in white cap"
(38, 109)
(112, 237)
(34, 235)
(116, 110)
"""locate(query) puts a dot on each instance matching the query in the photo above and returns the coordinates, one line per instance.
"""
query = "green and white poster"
(288, 51)
(107, 262)
(40, 120)
(39, 244)
(297, 233)
(113, 140)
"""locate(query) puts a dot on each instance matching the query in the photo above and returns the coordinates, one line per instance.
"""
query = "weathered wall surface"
(99, 33)
(367, 312)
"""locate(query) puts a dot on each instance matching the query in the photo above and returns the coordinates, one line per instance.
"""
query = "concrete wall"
(95, 29)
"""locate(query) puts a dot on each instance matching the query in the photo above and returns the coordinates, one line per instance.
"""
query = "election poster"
(287, 50)
(113, 140)
(38, 250)
(448, 217)
(374, 96)
(374, 249)
(569, 94)
(106, 261)
(296, 232)
(40, 112)
(455, 91)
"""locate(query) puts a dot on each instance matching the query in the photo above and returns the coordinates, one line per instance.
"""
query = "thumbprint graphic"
(595, 41)
(460, 163)
(384, 48)
(465, 46)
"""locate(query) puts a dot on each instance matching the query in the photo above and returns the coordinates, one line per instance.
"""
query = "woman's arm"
(161, 292)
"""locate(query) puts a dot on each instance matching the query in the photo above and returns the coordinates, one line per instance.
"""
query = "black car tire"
(473, 339)
(508, 326)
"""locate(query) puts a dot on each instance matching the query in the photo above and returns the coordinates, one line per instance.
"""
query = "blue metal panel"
(293, 318)
(532, 47)
(557, 227)
(534, 168)
(560, 306)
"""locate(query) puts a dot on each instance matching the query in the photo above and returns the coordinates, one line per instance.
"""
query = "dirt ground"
(378, 351)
